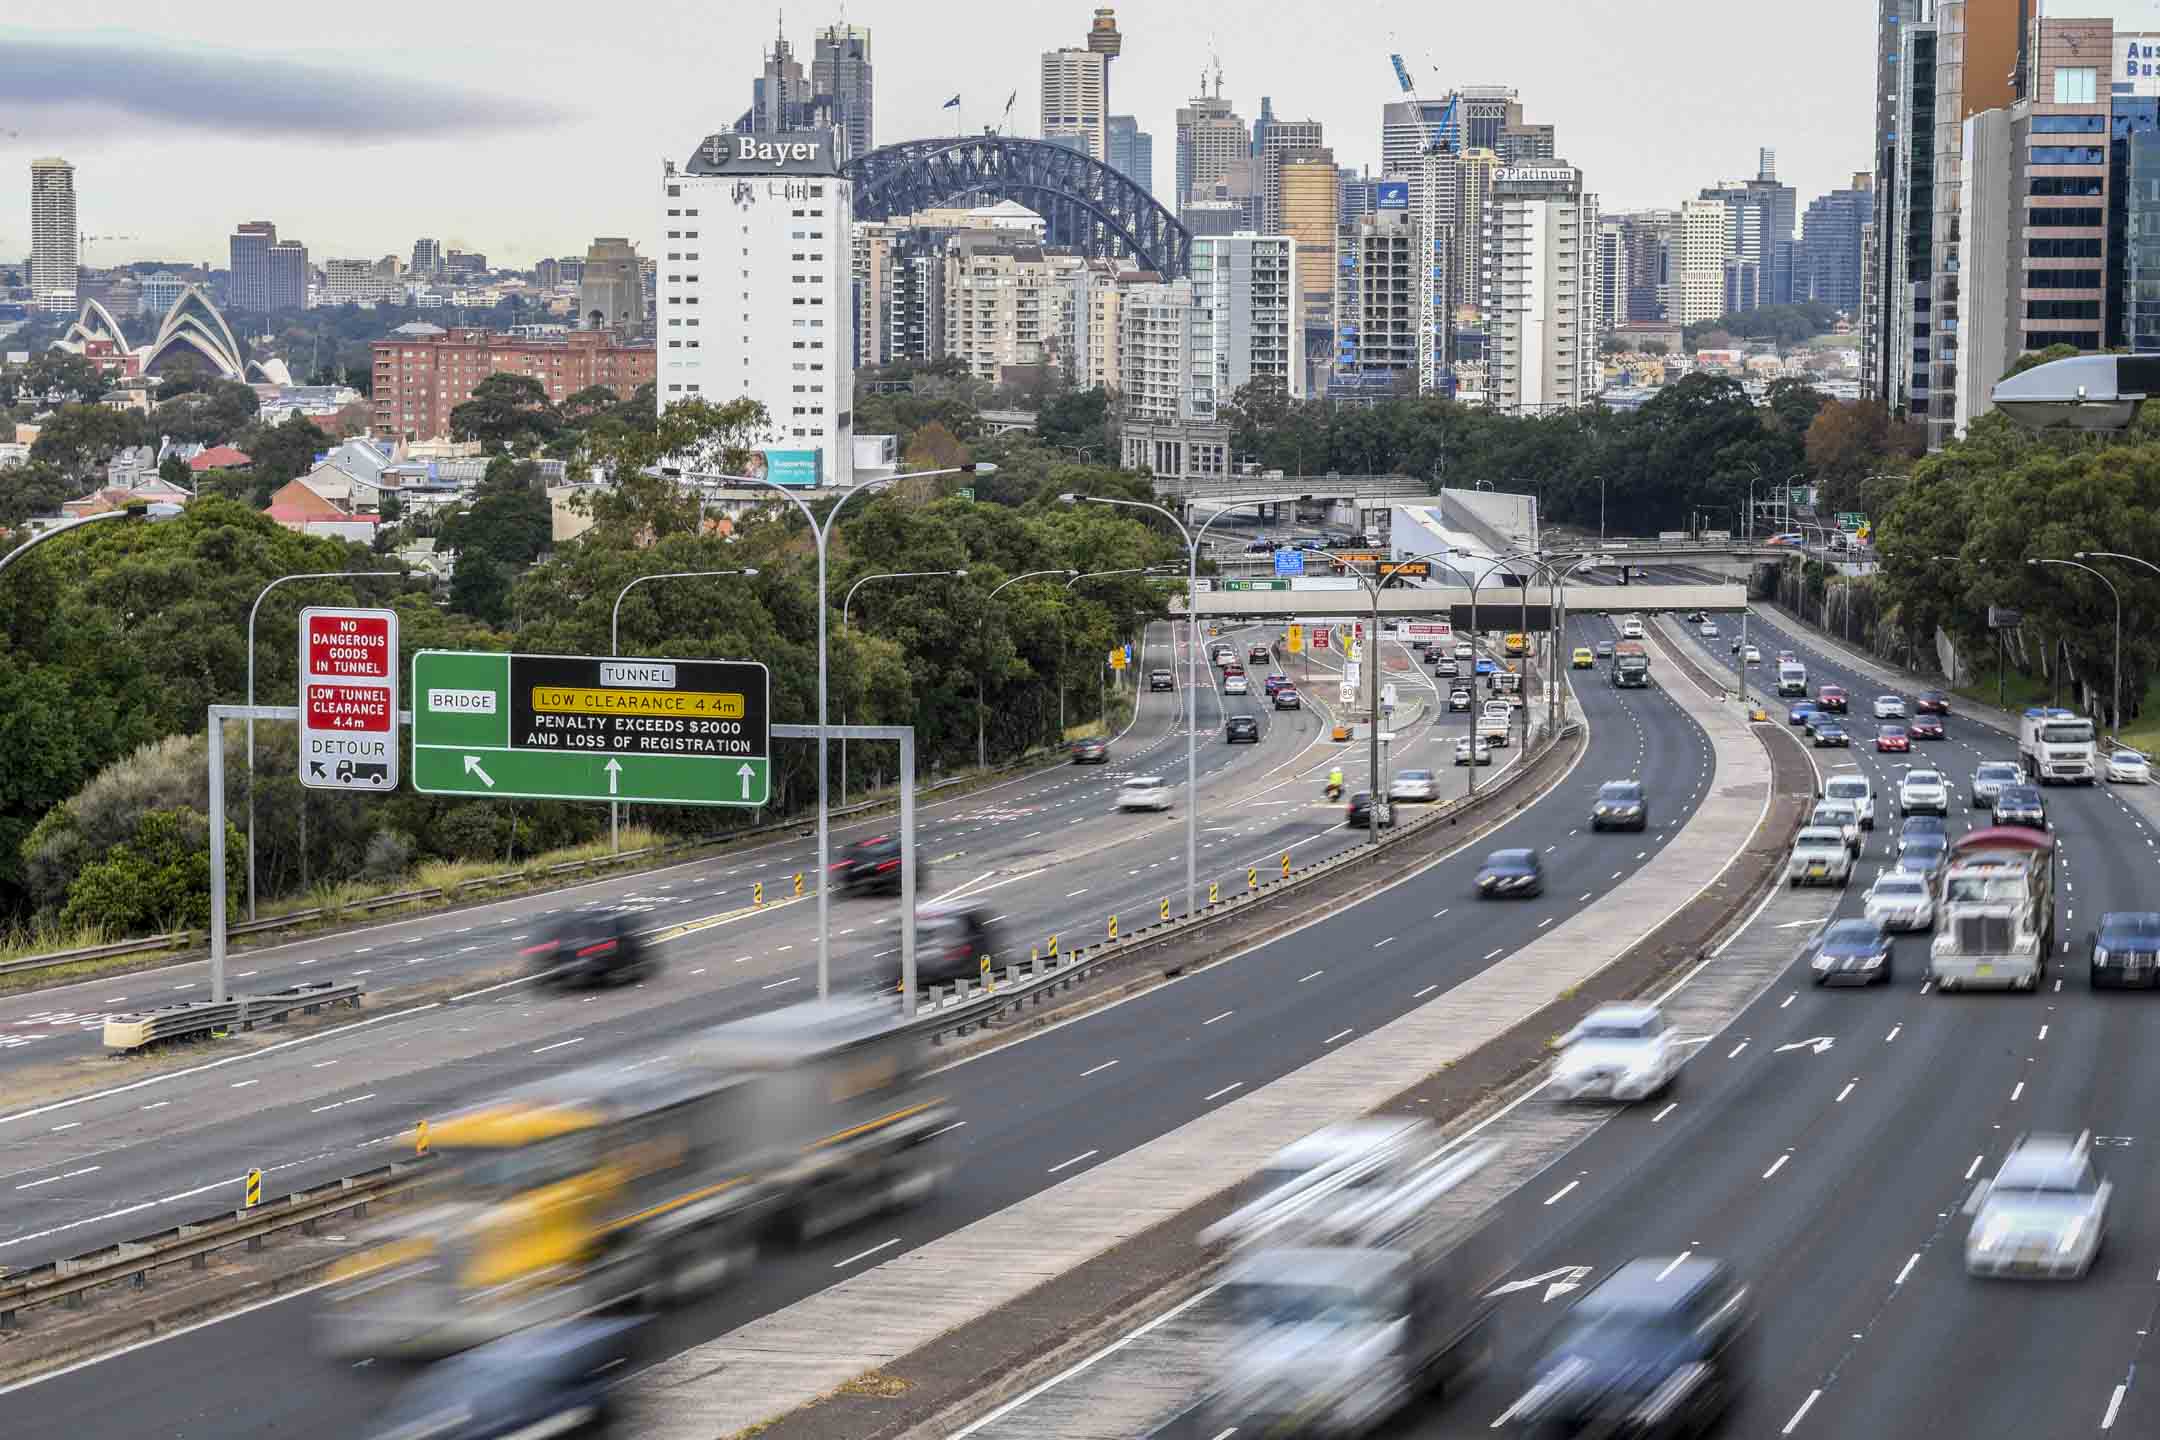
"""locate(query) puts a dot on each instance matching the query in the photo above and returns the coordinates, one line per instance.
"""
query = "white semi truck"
(2056, 747)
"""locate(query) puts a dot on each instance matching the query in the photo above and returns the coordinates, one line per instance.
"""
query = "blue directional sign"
(1289, 561)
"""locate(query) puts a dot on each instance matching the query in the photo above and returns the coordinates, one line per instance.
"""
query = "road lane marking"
(1492, 952)
(558, 1045)
(1664, 1112)
(778, 983)
(1844, 1092)
(1907, 1270)
(1217, 1095)
(1735, 1052)
(1801, 1414)
(1893, 1034)
(1062, 1164)
(1777, 1165)
(1314, 976)
(1974, 1168)
(1562, 1191)
(1675, 1263)
(1098, 1069)
(2107, 1421)
(2017, 1090)
(1336, 1036)
(942, 1129)
(1224, 1016)
(1424, 992)
(865, 1254)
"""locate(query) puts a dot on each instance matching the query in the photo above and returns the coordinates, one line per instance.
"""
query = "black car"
(952, 940)
(1931, 702)
(1511, 872)
(1658, 1347)
(1258, 654)
(1925, 727)
(1161, 680)
(2021, 805)
(2125, 950)
(1916, 826)
(1853, 952)
(1359, 813)
(554, 1379)
(1091, 750)
(872, 867)
(1242, 730)
(1621, 805)
(590, 947)
(1830, 734)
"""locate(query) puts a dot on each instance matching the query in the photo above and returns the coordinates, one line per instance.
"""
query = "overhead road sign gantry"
(591, 727)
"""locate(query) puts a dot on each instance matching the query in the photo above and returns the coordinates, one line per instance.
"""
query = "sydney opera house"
(192, 326)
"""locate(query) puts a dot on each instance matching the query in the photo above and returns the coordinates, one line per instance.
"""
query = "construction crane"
(1442, 136)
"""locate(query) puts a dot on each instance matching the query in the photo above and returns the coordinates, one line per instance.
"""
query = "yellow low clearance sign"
(571, 700)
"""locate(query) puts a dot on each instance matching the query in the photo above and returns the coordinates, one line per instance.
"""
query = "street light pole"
(1091, 575)
(2078, 565)
(823, 534)
(614, 645)
(849, 599)
(982, 704)
(252, 610)
(162, 510)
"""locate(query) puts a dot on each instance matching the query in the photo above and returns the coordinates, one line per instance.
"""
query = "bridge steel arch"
(1086, 205)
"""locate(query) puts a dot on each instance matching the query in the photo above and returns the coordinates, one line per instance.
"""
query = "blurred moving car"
(1916, 826)
(1841, 815)
(1618, 1052)
(1091, 750)
(1832, 697)
(1829, 734)
(1926, 727)
(2044, 1215)
(1473, 750)
(590, 947)
(1361, 812)
(1988, 781)
(1752, 655)
(1144, 792)
(1414, 785)
(2129, 767)
(1819, 857)
(1891, 739)
(1798, 714)
(1604, 649)
(1924, 856)
(871, 866)
(1708, 630)
(556, 1379)
(1853, 952)
(1931, 702)
(1889, 707)
(1161, 680)
(1287, 698)
(1511, 872)
(1899, 901)
(2021, 805)
(1236, 685)
(1621, 805)
(1658, 1347)
(2124, 950)
(1258, 654)
(1458, 701)
(1241, 730)
(1274, 682)
(1582, 659)
(952, 940)
(1856, 791)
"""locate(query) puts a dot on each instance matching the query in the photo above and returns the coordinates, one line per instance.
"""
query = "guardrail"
(960, 1007)
(70, 1281)
(139, 1029)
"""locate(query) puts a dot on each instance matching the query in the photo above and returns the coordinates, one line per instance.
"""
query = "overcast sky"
(523, 129)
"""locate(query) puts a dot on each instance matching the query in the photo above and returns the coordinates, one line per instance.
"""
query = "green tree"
(279, 453)
(32, 488)
(56, 373)
(174, 471)
(507, 414)
(697, 436)
(510, 520)
(80, 440)
(158, 879)
(212, 413)
(480, 587)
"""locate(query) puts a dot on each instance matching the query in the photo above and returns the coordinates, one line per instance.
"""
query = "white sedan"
(1752, 655)
(1236, 685)
(1900, 900)
(1413, 785)
(2129, 767)
(1618, 1052)
(1473, 750)
(1709, 630)
(1144, 792)
(1889, 707)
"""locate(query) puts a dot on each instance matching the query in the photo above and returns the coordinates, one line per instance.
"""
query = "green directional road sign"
(590, 727)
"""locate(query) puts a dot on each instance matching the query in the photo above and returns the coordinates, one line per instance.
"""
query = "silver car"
(1889, 707)
(1901, 901)
(1618, 1052)
(1845, 817)
(1413, 785)
(2128, 767)
(2044, 1214)
(1820, 857)
(1988, 781)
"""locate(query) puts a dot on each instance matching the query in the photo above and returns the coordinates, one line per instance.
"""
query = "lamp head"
(751, 573)
(959, 574)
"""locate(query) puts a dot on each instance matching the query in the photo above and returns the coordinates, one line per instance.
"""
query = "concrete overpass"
(1498, 606)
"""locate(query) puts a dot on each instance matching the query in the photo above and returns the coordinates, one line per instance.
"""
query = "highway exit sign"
(588, 727)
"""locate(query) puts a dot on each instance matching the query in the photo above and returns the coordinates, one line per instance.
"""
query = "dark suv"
(2125, 950)
(952, 940)
(1241, 730)
(872, 867)
(1091, 750)
(590, 947)
(2021, 805)
(1161, 680)
(1659, 1347)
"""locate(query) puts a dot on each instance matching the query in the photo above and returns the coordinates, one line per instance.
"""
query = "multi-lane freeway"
(1073, 1096)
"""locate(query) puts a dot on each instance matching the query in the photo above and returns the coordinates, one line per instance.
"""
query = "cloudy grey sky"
(524, 129)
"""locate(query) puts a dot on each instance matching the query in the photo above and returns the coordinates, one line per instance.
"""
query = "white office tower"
(1437, 201)
(1075, 100)
(1244, 322)
(1706, 243)
(756, 294)
(1543, 348)
(53, 235)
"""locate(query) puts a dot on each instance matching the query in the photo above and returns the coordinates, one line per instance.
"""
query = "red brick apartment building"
(420, 379)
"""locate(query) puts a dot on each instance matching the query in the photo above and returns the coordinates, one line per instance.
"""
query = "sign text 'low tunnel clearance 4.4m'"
(587, 727)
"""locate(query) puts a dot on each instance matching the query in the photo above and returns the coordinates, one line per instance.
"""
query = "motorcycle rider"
(1335, 783)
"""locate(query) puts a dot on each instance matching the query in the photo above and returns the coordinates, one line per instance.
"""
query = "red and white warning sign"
(348, 699)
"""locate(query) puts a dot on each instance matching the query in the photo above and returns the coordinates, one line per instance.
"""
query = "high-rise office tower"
(1523, 144)
(1130, 151)
(1763, 215)
(840, 67)
(1075, 94)
(1482, 112)
(1309, 203)
(1407, 130)
(1245, 328)
(1281, 138)
(1542, 321)
(1474, 169)
(1703, 243)
(781, 94)
(54, 238)
(1646, 241)
(1380, 325)
(1211, 138)
(1827, 264)
(1613, 269)
(426, 258)
(1880, 288)
(267, 274)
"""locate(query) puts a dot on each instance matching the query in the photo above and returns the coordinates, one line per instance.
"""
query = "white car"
(1924, 792)
(1618, 1052)
(1901, 900)
(1236, 685)
(1472, 750)
(1708, 630)
(1820, 857)
(1844, 815)
(2043, 1215)
(1413, 785)
(1144, 792)
(1889, 707)
(1856, 791)
(2128, 767)
(1752, 655)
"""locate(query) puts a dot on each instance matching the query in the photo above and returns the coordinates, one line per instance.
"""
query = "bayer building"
(755, 294)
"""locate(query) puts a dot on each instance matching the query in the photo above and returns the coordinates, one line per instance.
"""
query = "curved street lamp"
(2080, 565)
(614, 645)
(150, 514)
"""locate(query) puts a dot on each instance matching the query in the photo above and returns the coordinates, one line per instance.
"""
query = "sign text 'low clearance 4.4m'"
(585, 727)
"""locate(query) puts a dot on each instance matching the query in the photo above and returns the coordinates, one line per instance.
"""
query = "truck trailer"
(1631, 665)
(1995, 917)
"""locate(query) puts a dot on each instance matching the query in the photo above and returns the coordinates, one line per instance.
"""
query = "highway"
(1833, 1176)
(1069, 1097)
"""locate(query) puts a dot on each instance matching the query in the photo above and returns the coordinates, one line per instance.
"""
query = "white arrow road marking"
(614, 773)
(748, 772)
(1556, 1282)
(1819, 1044)
(472, 767)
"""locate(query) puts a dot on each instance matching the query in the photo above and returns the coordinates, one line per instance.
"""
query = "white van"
(1792, 678)
(1631, 627)
(1853, 790)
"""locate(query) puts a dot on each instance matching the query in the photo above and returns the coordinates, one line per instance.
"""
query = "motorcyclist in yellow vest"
(1334, 781)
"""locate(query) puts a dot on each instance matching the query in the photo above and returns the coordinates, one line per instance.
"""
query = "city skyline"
(537, 168)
